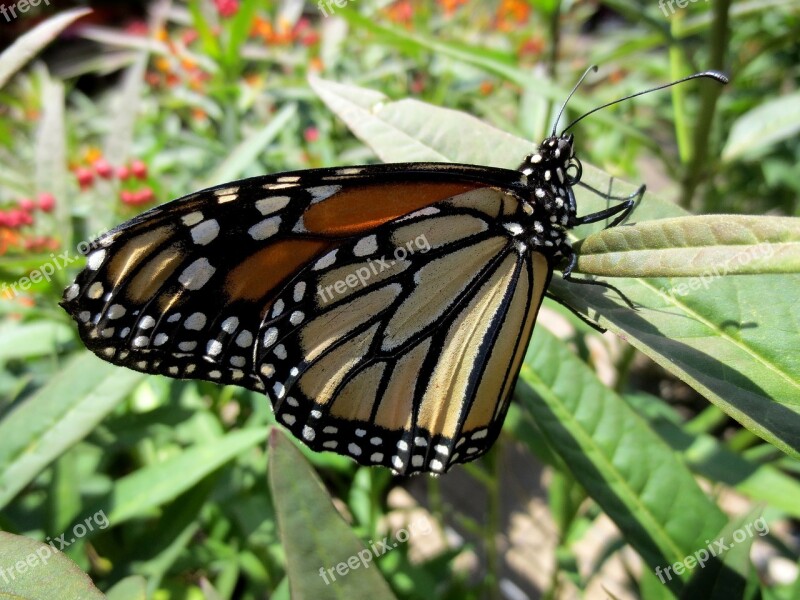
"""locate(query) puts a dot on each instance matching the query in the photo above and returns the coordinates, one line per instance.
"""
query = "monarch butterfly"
(384, 309)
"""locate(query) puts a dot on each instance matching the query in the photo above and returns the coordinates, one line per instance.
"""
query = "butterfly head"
(553, 161)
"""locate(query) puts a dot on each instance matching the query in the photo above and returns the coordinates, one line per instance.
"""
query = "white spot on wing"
(326, 261)
(197, 274)
(72, 292)
(192, 218)
(116, 311)
(205, 232)
(265, 229)
(267, 206)
(96, 259)
(322, 192)
(244, 339)
(230, 324)
(299, 291)
(366, 246)
(195, 322)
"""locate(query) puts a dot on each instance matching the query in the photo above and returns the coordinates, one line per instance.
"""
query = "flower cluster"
(130, 176)
(16, 223)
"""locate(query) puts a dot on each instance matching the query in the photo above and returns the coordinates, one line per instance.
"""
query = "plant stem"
(697, 168)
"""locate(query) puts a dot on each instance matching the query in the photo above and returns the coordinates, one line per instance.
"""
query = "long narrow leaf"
(314, 535)
(18, 54)
(57, 416)
(627, 469)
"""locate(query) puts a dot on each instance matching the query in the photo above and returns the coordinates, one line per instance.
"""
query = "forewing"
(182, 289)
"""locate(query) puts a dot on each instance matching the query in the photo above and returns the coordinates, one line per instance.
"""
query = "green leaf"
(28, 45)
(34, 571)
(243, 155)
(709, 458)
(239, 30)
(409, 130)
(718, 336)
(51, 152)
(728, 570)
(704, 246)
(152, 486)
(767, 124)
(314, 536)
(208, 39)
(624, 466)
(35, 338)
(49, 422)
(130, 588)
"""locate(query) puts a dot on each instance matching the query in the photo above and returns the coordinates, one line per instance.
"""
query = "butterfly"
(385, 310)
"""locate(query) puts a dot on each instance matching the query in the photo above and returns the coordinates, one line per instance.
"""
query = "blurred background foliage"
(106, 113)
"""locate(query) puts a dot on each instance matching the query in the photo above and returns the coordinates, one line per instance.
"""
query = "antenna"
(716, 75)
(575, 89)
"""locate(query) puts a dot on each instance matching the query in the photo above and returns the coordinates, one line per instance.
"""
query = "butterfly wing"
(250, 284)
(401, 348)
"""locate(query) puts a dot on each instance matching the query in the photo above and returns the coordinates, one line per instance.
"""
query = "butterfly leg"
(567, 275)
(573, 310)
(622, 211)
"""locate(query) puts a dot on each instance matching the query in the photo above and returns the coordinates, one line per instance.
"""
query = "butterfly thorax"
(551, 172)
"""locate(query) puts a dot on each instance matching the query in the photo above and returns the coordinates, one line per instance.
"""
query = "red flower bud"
(85, 177)
(139, 169)
(102, 168)
(27, 205)
(46, 202)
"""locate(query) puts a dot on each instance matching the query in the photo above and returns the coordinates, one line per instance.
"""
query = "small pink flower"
(47, 202)
(27, 205)
(139, 169)
(102, 168)
(227, 8)
(85, 177)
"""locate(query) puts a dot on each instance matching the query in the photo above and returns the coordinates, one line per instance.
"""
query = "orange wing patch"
(360, 209)
(264, 271)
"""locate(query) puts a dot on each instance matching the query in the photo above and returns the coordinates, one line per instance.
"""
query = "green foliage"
(165, 489)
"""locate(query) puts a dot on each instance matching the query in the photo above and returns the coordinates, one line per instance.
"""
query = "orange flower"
(163, 64)
(92, 154)
(316, 65)
(400, 12)
(512, 13)
(450, 6)
(8, 238)
(486, 87)
(261, 28)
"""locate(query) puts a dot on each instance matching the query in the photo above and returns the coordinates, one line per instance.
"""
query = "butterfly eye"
(574, 171)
